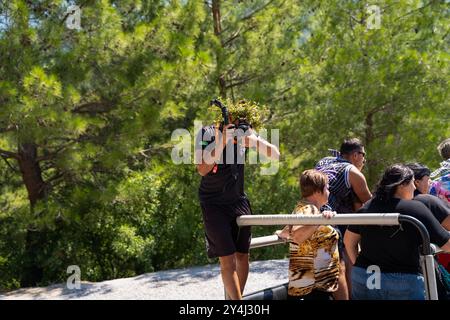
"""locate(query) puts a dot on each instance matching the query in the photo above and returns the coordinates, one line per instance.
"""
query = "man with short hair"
(348, 191)
(440, 185)
(348, 186)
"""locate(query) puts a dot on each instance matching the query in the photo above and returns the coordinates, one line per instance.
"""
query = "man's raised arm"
(262, 146)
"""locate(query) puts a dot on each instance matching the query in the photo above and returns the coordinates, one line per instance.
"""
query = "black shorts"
(223, 236)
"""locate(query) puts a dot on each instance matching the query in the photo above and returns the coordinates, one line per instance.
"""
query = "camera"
(223, 108)
(242, 123)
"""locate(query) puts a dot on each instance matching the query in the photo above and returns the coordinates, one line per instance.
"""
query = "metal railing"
(427, 250)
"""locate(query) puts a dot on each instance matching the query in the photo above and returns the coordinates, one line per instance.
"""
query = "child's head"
(314, 183)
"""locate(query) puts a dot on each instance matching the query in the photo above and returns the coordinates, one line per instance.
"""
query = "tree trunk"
(218, 31)
(32, 272)
(368, 139)
(31, 172)
(368, 129)
(216, 17)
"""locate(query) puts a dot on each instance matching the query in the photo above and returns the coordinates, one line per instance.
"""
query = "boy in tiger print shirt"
(313, 250)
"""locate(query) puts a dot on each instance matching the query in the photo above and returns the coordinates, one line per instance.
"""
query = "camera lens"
(244, 126)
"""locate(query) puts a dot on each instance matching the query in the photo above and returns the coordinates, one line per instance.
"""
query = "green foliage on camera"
(250, 111)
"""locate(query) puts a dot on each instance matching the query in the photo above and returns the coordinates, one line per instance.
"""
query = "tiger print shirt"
(314, 264)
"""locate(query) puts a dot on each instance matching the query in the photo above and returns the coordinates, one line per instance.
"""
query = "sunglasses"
(363, 153)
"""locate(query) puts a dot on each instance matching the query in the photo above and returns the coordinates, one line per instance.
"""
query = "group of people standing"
(326, 262)
(321, 268)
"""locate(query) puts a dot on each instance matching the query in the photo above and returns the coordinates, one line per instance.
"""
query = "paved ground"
(198, 283)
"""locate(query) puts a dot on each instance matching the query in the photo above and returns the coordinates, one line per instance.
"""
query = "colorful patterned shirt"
(440, 186)
(314, 264)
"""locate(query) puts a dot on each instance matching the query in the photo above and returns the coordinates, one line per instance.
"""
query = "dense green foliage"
(86, 116)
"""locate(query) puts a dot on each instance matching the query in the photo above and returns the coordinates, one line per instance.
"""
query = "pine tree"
(81, 101)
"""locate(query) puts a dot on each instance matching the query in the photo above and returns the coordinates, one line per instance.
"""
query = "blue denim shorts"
(388, 286)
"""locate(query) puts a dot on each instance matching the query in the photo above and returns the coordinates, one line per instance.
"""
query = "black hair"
(351, 145)
(419, 170)
(444, 149)
(394, 176)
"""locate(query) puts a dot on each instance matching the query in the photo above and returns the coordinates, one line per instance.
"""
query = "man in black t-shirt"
(222, 197)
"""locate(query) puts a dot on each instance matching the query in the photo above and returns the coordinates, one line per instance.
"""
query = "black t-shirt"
(437, 206)
(396, 248)
(220, 186)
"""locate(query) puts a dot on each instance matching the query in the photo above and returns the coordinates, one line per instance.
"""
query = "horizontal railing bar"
(339, 219)
(266, 241)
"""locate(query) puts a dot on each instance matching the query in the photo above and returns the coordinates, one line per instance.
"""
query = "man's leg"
(242, 267)
(230, 277)
(243, 239)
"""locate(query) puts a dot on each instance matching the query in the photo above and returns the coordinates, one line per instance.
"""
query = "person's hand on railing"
(283, 234)
(328, 214)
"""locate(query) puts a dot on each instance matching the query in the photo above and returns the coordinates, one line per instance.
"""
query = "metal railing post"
(426, 257)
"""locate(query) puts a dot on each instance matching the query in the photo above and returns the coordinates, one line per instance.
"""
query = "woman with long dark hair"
(392, 250)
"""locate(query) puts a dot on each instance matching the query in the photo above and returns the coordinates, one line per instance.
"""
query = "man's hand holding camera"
(246, 136)
(227, 136)
(240, 133)
(212, 157)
